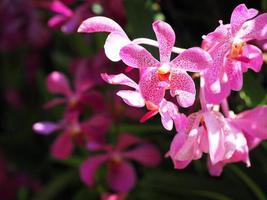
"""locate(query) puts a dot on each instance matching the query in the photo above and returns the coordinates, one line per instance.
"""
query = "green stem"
(249, 182)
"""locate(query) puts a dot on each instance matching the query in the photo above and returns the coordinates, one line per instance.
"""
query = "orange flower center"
(237, 48)
(164, 72)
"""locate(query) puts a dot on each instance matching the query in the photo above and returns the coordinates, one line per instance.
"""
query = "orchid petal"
(119, 79)
(89, 167)
(137, 56)
(59, 7)
(254, 29)
(132, 98)
(194, 60)
(62, 147)
(215, 136)
(146, 154)
(45, 128)
(113, 45)
(100, 24)
(212, 74)
(182, 86)
(239, 15)
(168, 112)
(57, 83)
(126, 140)
(121, 177)
(176, 145)
(234, 74)
(166, 39)
(255, 56)
(216, 98)
(56, 21)
(150, 87)
(253, 122)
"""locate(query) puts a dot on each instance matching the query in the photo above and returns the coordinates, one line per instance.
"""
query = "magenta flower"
(69, 20)
(167, 110)
(216, 136)
(115, 40)
(21, 25)
(121, 176)
(157, 76)
(253, 124)
(231, 54)
(66, 18)
(76, 100)
(88, 133)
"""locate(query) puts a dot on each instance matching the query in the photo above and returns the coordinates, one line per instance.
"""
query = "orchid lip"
(237, 48)
(164, 72)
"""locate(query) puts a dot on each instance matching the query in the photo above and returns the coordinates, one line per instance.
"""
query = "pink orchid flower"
(253, 123)
(231, 53)
(115, 40)
(88, 133)
(75, 101)
(121, 176)
(216, 136)
(167, 110)
(157, 76)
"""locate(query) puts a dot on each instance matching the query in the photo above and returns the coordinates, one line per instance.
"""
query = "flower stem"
(202, 99)
(225, 108)
(155, 44)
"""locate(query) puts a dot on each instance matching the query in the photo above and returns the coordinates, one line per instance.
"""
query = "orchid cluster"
(89, 133)
(225, 54)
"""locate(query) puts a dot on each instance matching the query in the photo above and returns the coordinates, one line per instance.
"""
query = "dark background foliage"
(23, 93)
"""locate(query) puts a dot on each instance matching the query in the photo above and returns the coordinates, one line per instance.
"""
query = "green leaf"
(252, 93)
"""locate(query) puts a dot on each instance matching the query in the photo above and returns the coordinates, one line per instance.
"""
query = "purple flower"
(82, 95)
(89, 133)
(121, 176)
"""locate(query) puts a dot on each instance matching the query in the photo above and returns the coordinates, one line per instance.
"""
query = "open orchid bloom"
(121, 175)
(89, 133)
(224, 142)
(75, 101)
(115, 40)
(231, 53)
(135, 98)
(156, 77)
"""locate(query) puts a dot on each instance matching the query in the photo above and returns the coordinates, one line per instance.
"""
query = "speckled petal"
(194, 60)
(183, 87)
(166, 39)
(137, 56)
(150, 87)
(239, 15)
(100, 24)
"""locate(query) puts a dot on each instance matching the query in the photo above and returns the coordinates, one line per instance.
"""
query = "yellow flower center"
(237, 48)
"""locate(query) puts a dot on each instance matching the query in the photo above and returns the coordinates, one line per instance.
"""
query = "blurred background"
(36, 39)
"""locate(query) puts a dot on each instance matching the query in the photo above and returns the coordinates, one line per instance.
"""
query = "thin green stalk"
(249, 182)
